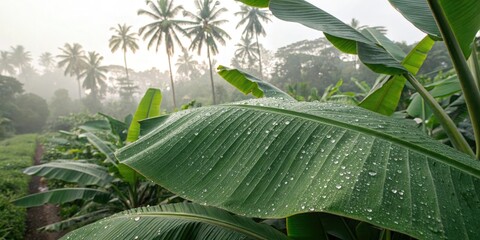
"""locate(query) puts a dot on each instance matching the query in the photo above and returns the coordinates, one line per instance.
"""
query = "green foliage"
(387, 92)
(347, 144)
(272, 158)
(149, 107)
(30, 114)
(246, 84)
(26, 113)
(89, 181)
(177, 221)
(15, 154)
(6, 128)
(12, 222)
(463, 18)
(318, 64)
(9, 87)
(61, 104)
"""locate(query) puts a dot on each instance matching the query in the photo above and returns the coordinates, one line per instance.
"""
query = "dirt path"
(40, 216)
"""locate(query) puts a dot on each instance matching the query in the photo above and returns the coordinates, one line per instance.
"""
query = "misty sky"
(44, 26)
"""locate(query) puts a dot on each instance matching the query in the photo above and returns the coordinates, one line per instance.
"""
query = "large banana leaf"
(62, 195)
(247, 83)
(118, 128)
(149, 107)
(341, 35)
(72, 171)
(463, 17)
(176, 221)
(272, 159)
(101, 145)
(384, 96)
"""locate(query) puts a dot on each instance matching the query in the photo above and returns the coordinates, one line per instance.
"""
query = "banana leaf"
(72, 171)
(63, 195)
(273, 159)
(176, 221)
(149, 107)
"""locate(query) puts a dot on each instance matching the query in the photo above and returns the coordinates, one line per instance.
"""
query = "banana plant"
(333, 171)
(444, 21)
(105, 187)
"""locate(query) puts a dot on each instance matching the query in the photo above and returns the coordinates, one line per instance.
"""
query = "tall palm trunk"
(259, 56)
(125, 61)
(171, 81)
(79, 88)
(211, 75)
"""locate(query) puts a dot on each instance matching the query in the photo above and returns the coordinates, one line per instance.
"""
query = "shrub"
(12, 222)
(15, 155)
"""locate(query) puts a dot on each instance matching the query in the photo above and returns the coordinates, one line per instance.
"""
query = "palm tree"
(163, 29)
(125, 40)
(20, 58)
(246, 51)
(252, 19)
(94, 74)
(356, 24)
(186, 65)
(46, 61)
(206, 30)
(6, 65)
(73, 58)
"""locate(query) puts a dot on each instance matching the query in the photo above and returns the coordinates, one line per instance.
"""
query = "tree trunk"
(171, 81)
(125, 61)
(211, 75)
(79, 89)
(259, 57)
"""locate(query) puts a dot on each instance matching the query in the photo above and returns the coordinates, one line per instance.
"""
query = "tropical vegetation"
(206, 31)
(125, 40)
(16, 153)
(347, 136)
(73, 59)
(332, 170)
(165, 29)
(252, 19)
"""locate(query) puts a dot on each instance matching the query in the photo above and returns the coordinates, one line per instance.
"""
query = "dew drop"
(287, 122)
(338, 186)
(136, 219)
(372, 173)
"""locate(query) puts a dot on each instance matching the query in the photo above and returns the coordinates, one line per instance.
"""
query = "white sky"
(42, 26)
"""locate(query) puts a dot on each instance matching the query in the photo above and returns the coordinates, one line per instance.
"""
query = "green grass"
(16, 153)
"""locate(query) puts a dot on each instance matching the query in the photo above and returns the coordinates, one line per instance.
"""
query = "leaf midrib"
(434, 155)
(196, 217)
